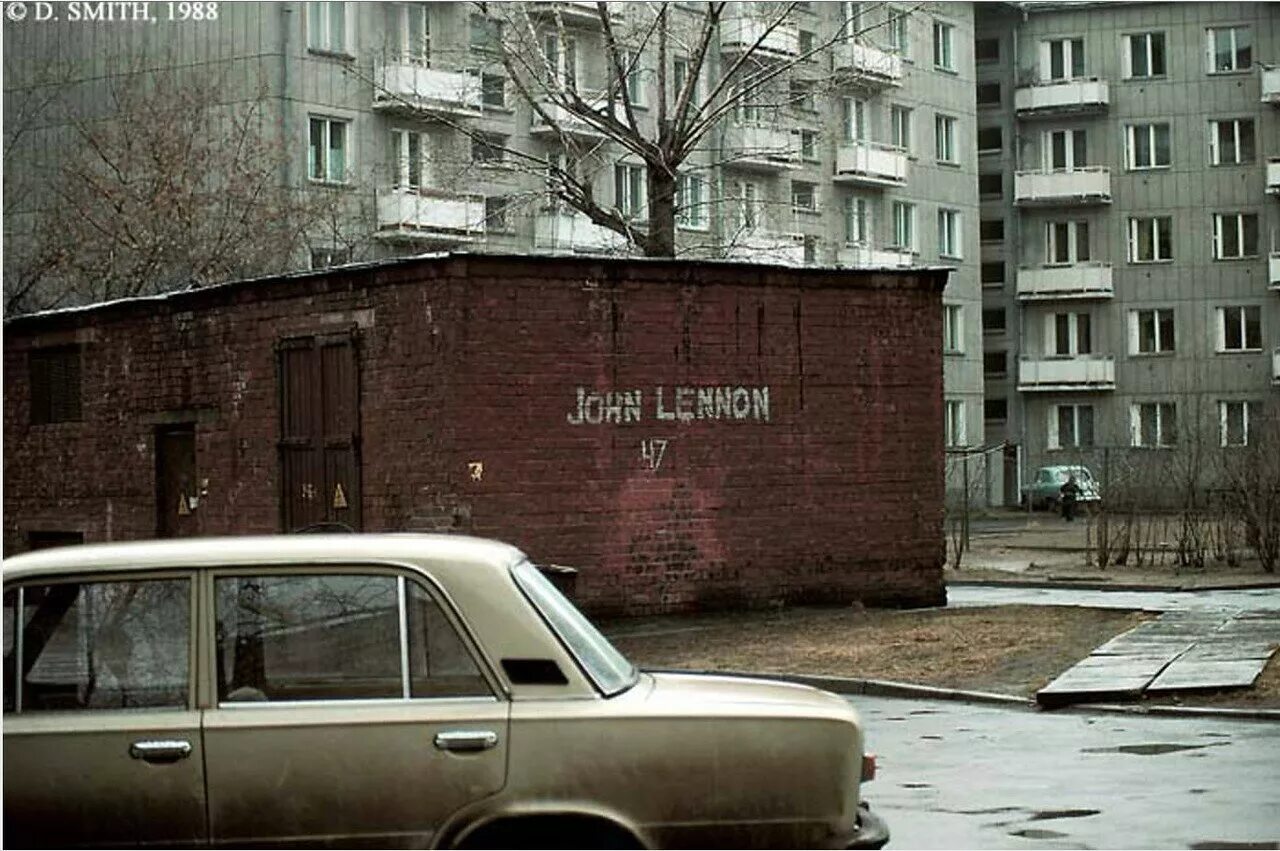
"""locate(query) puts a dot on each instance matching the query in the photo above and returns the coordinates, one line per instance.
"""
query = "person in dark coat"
(1070, 491)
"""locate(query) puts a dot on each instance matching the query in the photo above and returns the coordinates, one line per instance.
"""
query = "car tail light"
(868, 767)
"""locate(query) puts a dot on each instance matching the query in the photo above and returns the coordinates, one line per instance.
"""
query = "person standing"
(1070, 491)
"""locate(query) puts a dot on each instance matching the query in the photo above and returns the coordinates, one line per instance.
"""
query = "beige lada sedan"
(384, 690)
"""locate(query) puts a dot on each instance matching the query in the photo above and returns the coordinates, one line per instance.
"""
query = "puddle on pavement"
(1037, 833)
(1233, 846)
(1154, 749)
(1215, 735)
(916, 785)
(1197, 791)
(933, 737)
(1047, 815)
(923, 712)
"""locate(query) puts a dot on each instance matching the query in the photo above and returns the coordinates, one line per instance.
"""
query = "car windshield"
(607, 668)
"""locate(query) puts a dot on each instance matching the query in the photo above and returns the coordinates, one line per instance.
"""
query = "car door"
(101, 734)
(351, 710)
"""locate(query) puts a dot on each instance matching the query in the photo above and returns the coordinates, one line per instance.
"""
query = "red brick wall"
(831, 493)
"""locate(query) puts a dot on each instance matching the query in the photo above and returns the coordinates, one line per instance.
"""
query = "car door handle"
(466, 740)
(160, 750)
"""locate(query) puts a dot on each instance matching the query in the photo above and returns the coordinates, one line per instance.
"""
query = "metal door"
(319, 432)
(177, 490)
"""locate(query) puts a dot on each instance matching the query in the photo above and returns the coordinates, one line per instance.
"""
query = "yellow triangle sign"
(339, 497)
(183, 508)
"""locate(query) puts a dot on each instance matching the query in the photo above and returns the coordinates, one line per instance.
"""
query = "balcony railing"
(760, 146)
(1271, 84)
(570, 11)
(1080, 281)
(1090, 185)
(570, 122)
(762, 246)
(868, 63)
(405, 87)
(739, 32)
(1273, 270)
(870, 163)
(1061, 96)
(570, 230)
(866, 257)
(1078, 372)
(426, 215)
(1273, 175)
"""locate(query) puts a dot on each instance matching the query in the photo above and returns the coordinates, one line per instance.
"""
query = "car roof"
(460, 550)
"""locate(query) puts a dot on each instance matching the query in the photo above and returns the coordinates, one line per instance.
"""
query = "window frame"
(1211, 49)
(1163, 322)
(1241, 221)
(900, 127)
(692, 214)
(953, 329)
(1054, 438)
(1215, 143)
(1148, 135)
(326, 145)
(1079, 334)
(945, 132)
(1135, 243)
(1072, 229)
(1165, 425)
(857, 220)
(631, 190)
(1222, 322)
(954, 423)
(944, 46)
(319, 34)
(904, 226)
(55, 384)
(798, 190)
(1131, 40)
(1248, 412)
(950, 234)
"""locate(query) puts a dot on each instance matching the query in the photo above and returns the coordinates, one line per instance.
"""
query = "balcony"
(414, 89)
(1273, 175)
(761, 246)
(1081, 281)
(1079, 187)
(760, 146)
(569, 230)
(870, 163)
(868, 64)
(866, 257)
(1061, 97)
(429, 216)
(1271, 84)
(741, 30)
(571, 124)
(571, 12)
(1273, 270)
(1078, 372)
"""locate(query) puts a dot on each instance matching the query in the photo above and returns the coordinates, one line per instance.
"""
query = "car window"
(300, 637)
(98, 645)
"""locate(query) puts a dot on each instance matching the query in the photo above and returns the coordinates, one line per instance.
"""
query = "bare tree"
(1251, 474)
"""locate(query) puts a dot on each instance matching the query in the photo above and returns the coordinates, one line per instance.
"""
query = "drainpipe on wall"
(286, 101)
(1021, 346)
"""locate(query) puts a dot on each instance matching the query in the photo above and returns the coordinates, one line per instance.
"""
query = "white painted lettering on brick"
(681, 403)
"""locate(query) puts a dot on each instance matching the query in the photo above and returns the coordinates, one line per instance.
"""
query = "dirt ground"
(1006, 649)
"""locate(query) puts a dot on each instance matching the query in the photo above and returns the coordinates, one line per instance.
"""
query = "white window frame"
(798, 197)
(898, 35)
(944, 56)
(691, 202)
(1143, 42)
(413, 48)
(904, 225)
(955, 424)
(857, 220)
(1079, 324)
(953, 329)
(321, 17)
(1140, 136)
(630, 186)
(1247, 413)
(807, 145)
(563, 59)
(1069, 52)
(1238, 314)
(1069, 149)
(1211, 49)
(1165, 416)
(1215, 146)
(1136, 224)
(1054, 432)
(945, 130)
(1074, 237)
(328, 122)
(900, 127)
(850, 19)
(402, 142)
(634, 80)
(1155, 316)
(1223, 223)
(749, 207)
(853, 119)
(949, 234)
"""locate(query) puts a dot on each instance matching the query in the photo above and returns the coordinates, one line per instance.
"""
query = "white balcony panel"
(868, 63)
(402, 86)
(866, 257)
(570, 123)
(1271, 84)
(1061, 97)
(1090, 185)
(1082, 372)
(871, 163)
(570, 230)
(580, 12)
(1273, 175)
(760, 246)
(1082, 281)
(429, 216)
(1273, 270)
(760, 146)
(740, 31)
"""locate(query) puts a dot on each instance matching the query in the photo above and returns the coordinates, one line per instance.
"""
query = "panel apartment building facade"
(862, 155)
(1129, 179)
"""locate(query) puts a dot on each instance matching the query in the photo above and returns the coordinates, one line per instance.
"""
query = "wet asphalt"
(957, 775)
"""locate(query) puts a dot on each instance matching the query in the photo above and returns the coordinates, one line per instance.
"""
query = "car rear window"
(607, 668)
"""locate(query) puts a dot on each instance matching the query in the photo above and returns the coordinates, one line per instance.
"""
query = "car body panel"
(1046, 485)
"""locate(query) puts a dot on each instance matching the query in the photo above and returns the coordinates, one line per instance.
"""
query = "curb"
(1094, 585)
(893, 688)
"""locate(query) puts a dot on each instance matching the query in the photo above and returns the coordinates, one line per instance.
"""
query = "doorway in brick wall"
(177, 489)
(319, 433)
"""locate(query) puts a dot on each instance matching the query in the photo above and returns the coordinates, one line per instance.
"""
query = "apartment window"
(809, 145)
(904, 225)
(994, 320)
(991, 230)
(750, 211)
(955, 423)
(991, 185)
(952, 328)
(1235, 235)
(328, 150)
(1239, 329)
(943, 54)
(562, 62)
(807, 41)
(323, 258)
(1234, 419)
(944, 128)
(55, 384)
(1070, 426)
(989, 140)
(898, 37)
(1067, 242)
(493, 90)
(804, 196)
(488, 148)
(857, 221)
(1070, 334)
(1150, 239)
(411, 26)
(995, 364)
(327, 27)
(691, 201)
(410, 159)
(1230, 49)
(995, 409)
(993, 274)
(679, 74)
(1144, 55)
(1066, 150)
(1231, 141)
(986, 50)
(802, 96)
(988, 94)
(1153, 424)
(1151, 331)
(485, 34)
(745, 109)
(496, 209)
(949, 233)
(900, 127)
(1147, 146)
(850, 19)
(629, 190)
(854, 119)
(634, 76)
(1062, 59)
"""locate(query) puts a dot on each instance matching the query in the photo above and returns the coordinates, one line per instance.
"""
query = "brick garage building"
(687, 435)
